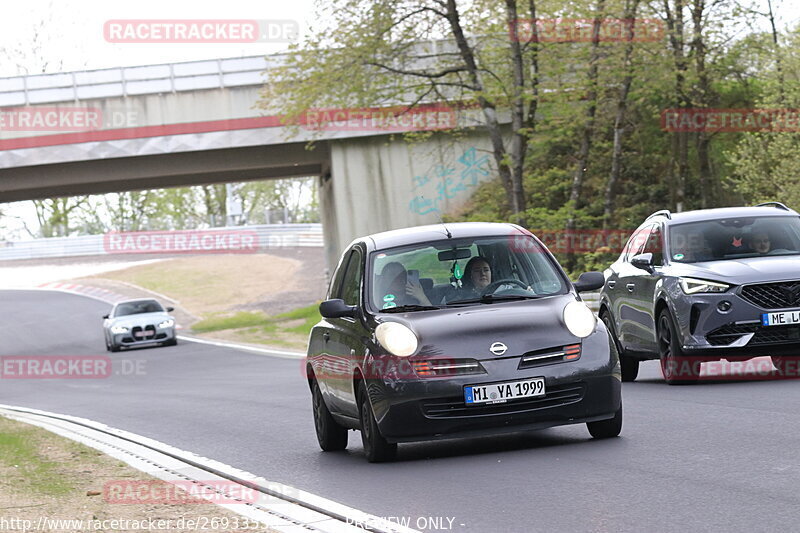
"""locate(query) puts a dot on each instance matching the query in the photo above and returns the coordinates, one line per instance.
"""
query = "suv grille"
(773, 295)
(729, 333)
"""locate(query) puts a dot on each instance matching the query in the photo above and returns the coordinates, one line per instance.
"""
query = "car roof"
(438, 232)
(725, 212)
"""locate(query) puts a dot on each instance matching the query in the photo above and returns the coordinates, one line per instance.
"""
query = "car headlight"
(116, 330)
(579, 319)
(167, 323)
(692, 286)
(397, 338)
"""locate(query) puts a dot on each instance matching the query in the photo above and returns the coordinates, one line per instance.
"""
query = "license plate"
(502, 392)
(144, 333)
(783, 318)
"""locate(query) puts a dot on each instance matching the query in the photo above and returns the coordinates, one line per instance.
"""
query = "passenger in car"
(760, 242)
(393, 282)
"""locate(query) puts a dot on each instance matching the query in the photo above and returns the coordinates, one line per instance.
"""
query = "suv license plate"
(784, 318)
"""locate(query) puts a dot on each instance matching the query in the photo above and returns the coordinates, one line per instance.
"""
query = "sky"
(70, 36)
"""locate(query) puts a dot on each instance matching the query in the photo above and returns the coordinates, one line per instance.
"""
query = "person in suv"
(706, 285)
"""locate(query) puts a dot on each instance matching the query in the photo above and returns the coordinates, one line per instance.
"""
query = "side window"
(637, 242)
(336, 280)
(655, 245)
(351, 283)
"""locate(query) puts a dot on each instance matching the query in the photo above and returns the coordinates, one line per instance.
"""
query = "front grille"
(456, 408)
(725, 335)
(776, 335)
(149, 333)
(773, 295)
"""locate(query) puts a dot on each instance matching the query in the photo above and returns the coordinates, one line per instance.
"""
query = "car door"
(644, 292)
(354, 332)
(345, 341)
(629, 315)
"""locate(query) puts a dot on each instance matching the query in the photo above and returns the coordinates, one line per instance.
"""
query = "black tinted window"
(351, 283)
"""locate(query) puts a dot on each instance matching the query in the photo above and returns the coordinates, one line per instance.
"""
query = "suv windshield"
(462, 272)
(734, 238)
(135, 308)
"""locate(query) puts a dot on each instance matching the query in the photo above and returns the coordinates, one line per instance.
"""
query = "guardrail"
(267, 236)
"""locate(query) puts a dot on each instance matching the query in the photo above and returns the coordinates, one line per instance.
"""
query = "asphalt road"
(711, 457)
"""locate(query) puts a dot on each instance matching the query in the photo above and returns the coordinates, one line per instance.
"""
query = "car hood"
(141, 319)
(522, 326)
(741, 271)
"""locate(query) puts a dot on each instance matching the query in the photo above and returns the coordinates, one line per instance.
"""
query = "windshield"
(135, 308)
(734, 238)
(462, 272)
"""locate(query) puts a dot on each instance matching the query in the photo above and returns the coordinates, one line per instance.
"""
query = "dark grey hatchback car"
(704, 286)
(457, 330)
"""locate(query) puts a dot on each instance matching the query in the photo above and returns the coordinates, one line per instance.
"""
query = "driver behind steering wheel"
(478, 275)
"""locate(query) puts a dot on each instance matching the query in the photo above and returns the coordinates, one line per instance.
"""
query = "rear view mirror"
(454, 254)
(105, 317)
(336, 308)
(170, 309)
(590, 281)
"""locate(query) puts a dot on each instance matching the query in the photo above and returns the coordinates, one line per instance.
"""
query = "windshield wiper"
(410, 307)
(487, 299)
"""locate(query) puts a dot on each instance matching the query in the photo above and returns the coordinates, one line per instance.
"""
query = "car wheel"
(331, 436)
(628, 365)
(108, 346)
(115, 348)
(606, 429)
(173, 342)
(676, 368)
(376, 448)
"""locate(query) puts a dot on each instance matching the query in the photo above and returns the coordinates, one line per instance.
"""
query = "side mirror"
(170, 309)
(643, 261)
(105, 317)
(336, 308)
(590, 281)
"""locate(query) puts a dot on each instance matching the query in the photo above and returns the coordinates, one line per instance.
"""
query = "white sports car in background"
(139, 322)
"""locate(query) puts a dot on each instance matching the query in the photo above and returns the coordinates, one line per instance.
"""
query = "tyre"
(606, 429)
(115, 348)
(628, 365)
(331, 436)
(173, 342)
(376, 448)
(677, 368)
(108, 346)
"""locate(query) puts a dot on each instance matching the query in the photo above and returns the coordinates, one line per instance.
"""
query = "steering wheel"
(493, 286)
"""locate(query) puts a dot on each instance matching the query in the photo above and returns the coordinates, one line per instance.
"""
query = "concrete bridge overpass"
(193, 123)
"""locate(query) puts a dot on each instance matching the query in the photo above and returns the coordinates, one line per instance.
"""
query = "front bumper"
(585, 390)
(707, 331)
(159, 335)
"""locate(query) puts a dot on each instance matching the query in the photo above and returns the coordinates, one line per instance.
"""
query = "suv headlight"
(397, 338)
(167, 323)
(579, 319)
(117, 330)
(692, 286)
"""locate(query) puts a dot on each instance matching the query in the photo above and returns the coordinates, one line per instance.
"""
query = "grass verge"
(285, 330)
(50, 483)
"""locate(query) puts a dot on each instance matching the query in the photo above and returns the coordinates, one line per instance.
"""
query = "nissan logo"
(498, 348)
